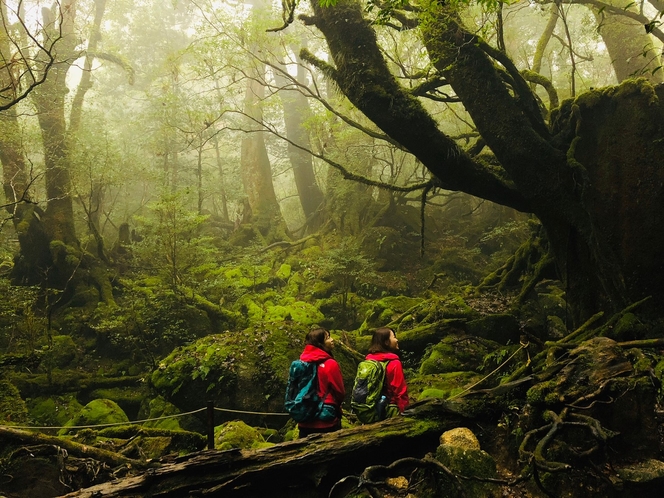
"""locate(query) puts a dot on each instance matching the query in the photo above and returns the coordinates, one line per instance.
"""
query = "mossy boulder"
(249, 277)
(628, 328)
(460, 452)
(13, 410)
(127, 398)
(274, 306)
(237, 434)
(416, 340)
(297, 311)
(97, 412)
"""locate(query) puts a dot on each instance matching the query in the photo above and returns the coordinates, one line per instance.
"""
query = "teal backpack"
(368, 401)
(302, 399)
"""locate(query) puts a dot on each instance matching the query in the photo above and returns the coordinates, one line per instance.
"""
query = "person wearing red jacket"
(384, 347)
(318, 349)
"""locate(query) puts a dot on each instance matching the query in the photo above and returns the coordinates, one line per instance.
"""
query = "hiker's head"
(320, 338)
(384, 339)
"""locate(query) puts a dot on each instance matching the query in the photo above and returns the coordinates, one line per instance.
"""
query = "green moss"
(295, 286)
(284, 272)
(299, 312)
(441, 385)
(248, 277)
(13, 410)
(245, 370)
(97, 412)
(542, 393)
(159, 407)
(469, 463)
(249, 309)
(237, 434)
(384, 311)
(62, 352)
(455, 354)
(53, 410)
(628, 328)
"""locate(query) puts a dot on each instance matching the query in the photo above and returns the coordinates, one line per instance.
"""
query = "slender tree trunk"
(296, 112)
(255, 163)
(222, 188)
(631, 49)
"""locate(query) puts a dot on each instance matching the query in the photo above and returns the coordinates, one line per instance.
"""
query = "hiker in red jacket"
(319, 346)
(384, 347)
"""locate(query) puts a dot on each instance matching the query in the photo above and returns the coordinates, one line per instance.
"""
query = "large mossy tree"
(591, 173)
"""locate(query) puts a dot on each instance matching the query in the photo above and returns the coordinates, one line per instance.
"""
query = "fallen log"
(7, 435)
(305, 467)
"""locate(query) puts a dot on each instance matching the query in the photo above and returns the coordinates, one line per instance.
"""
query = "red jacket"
(397, 391)
(330, 383)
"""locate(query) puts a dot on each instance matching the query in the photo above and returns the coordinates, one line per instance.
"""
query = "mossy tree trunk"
(579, 178)
(50, 250)
(16, 177)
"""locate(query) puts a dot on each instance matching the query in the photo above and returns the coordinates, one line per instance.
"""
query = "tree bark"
(572, 176)
(296, 112)
(255, 165)
(630, 47)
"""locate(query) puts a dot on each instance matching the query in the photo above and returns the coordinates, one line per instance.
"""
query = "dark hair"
(316, 337)
(380, 342)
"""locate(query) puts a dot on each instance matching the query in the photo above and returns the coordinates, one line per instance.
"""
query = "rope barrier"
(491, 373)
(250, 413)
(115, 424)
(141, 421)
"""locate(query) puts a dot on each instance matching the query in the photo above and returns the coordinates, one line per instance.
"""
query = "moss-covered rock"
(599, 377)
(127, 398)
(97, 412)
(237, 434)
(298, 312)
(628, 328)
(460, 452)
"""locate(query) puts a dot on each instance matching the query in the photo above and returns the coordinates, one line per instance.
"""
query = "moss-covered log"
(20, 437)
(35, 385)
(308, 466)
